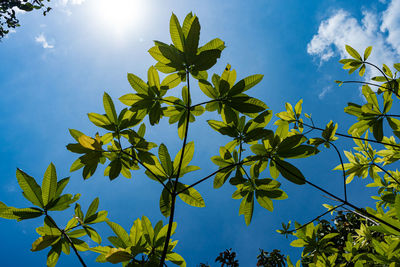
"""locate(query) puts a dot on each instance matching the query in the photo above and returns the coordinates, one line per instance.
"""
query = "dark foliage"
(8, 16)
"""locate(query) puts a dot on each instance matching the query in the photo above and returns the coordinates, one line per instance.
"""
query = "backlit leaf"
(49, 184)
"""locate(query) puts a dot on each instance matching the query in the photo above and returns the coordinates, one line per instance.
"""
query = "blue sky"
(54, 71)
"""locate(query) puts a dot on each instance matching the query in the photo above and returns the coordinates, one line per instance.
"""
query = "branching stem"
(67, 238)
(173, 193)
(343, 171)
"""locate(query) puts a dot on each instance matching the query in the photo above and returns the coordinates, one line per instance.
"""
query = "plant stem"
(212, 174)
(67, 238)
(385, 171)
(384, 75)
(150, 171)
(173, 193)
(206, 102)
(316, 218)
(345, 202)
(352, 137)
(343, 171)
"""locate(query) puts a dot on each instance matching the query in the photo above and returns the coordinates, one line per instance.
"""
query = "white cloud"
(382, 31)
(71, 2)
(391, 24)
(41, 39)
(324, 92)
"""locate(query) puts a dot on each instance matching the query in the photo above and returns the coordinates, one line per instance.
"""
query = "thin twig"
(385, 171)
(206, 102)
(68, 239)
(173, 193)
(352, 137)
(147, 168)
(344, 172)
(172, 102)
(384, 75)
(339, 199)
(363, 216)
(316, 218)
(212, 174)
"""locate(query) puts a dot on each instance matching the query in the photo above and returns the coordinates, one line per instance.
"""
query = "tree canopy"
(8, 12)
(260, 153)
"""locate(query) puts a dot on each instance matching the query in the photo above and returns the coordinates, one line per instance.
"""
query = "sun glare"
(119, 15)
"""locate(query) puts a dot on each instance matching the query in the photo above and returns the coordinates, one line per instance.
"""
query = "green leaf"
(352, 52)
(367, 52)
(53, 255)
(118, 255)
(136, 232)
(30, 188)
(215, 44)
(60, 186)
(223, 128)
(110, 108)
(158, 54)
(290, 172)
(79, 244)
(77, 233)
(192, 39)
(264, 200)
(115, 169)
(176, 259)
(190, 196)
(75, 134)
(153, 77)
(49, 184)
(137, 84)
(273, 170)
(187, 156)
(187, 23)
(208, 89)
(378, 130)
(206, 59)
(298, 243)
(171, 81)
(246, 104)
(100, 216)
(245, 84)
(121, 233)
(43, 242)
(361, 72)
(63, 202)
(283, 129)
(246, 207)
(148, 230)
(387, 70)
(92, 208)
(165, 202)
(176, 33)
(92, 234)
(165, 159)
(12, 213)
(101, 120)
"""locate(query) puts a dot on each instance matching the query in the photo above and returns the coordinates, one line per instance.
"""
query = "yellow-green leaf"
(30, 188)
(176, 33)
(49, 184)
(110, 108)
(190, 196)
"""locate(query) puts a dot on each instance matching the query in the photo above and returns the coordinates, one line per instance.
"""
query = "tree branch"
(67, 238)
(344, 172)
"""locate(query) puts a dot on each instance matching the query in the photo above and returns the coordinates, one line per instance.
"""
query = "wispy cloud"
(381, 30)
(41, 39)
(324, 92)
(71, 2)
